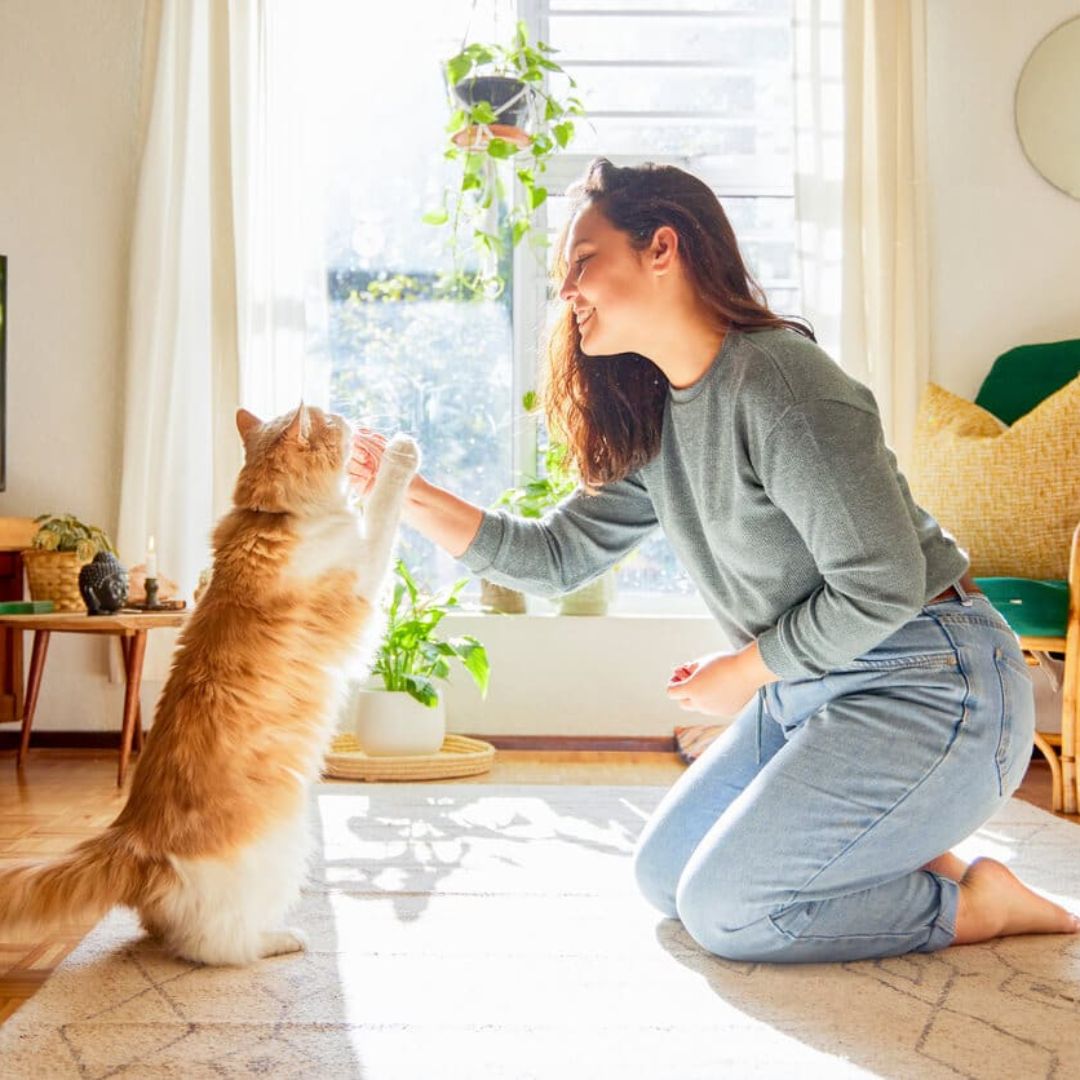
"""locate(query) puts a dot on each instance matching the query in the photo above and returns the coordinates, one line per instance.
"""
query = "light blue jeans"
(799, 834)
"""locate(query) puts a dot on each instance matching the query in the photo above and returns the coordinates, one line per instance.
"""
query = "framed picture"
(3, 372)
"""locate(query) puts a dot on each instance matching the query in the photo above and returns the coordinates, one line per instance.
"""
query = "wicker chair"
(1045, 615)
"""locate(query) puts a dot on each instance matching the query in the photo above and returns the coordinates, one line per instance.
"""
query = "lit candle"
(151, 559)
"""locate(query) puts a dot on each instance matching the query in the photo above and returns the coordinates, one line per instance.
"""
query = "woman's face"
(608, 286)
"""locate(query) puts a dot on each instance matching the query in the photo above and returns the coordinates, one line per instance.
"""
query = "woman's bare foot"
(995, 903)
(948, 865)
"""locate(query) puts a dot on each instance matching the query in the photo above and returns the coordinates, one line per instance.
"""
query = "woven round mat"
(459, 756)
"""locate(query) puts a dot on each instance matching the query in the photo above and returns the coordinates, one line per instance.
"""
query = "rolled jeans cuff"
(943, 928)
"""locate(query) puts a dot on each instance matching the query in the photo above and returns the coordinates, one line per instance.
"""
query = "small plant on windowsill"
(503, 112)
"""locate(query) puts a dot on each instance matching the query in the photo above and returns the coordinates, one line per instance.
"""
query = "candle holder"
(151, 594)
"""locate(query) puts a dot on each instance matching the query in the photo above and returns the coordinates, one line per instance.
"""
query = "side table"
(131, 627)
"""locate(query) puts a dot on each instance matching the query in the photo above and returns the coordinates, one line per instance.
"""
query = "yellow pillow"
(1009, 495)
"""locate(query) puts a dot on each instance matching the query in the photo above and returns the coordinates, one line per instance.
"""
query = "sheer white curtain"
(875, 313)
(225, 284)
(279, 161)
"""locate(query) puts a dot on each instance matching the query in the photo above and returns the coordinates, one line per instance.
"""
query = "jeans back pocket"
(1017, 713)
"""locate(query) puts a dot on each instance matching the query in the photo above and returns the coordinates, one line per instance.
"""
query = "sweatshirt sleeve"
(826, 466)
(574, 543)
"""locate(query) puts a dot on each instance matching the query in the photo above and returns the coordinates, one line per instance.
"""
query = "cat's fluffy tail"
(78, 888)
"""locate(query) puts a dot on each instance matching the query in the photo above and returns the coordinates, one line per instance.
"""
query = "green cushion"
(1031, 608)
(1026, 375)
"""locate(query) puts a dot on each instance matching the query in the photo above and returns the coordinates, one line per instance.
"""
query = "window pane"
(402, 359)
(635, 39)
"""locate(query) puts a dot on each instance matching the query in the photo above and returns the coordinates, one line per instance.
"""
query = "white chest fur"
(332, 542)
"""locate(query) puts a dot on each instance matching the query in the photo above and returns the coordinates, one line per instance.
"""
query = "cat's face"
(295, 463)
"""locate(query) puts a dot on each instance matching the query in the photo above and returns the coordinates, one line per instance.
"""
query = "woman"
(882, 707)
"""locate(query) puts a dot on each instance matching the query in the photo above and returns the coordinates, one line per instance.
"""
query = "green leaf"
(537, 195)
(482, 113)
(529, 400)
(422, 689)
(457, 67)
(563, 132)
(436, 217)
(474, 657)
(501, 149)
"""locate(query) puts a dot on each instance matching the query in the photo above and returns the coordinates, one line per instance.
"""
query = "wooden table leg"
(33, 685)
(125, 648)
(136, 652)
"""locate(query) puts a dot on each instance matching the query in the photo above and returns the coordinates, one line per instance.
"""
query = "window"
(703, 84)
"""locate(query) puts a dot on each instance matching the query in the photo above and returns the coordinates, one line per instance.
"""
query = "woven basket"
(54, 575)
(459, 756)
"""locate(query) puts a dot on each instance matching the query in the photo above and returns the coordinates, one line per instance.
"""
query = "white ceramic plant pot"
(391, 723)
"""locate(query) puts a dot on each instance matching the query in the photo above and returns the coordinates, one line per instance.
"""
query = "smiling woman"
(648, 266)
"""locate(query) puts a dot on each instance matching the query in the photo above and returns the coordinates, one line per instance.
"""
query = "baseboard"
(110, 740)
(63, 740)
(657, 744)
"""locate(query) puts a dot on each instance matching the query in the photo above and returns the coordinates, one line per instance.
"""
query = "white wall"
(1005, 244)
(1003, 247)
(69, 87)
(577, 675)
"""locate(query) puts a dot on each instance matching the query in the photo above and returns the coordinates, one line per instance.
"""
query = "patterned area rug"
(495, 932)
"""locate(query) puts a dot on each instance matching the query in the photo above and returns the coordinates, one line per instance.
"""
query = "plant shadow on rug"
(494, 932)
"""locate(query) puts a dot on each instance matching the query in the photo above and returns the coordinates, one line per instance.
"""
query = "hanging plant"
(506, 123)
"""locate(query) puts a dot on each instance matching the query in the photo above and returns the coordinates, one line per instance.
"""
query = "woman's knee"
(727, 920)
(656, 877)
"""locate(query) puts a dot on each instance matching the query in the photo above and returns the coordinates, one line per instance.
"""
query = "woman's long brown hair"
(610, 410)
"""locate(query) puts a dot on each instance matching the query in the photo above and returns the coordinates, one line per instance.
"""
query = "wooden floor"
(63, 797)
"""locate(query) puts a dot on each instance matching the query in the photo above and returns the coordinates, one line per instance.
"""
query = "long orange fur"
(243, 722)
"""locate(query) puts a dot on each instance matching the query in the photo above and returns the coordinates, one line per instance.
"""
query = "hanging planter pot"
(514, 108)
(506, 96)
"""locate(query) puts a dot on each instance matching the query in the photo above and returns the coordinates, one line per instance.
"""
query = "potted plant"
(535, 497)
(399, 710)
(503, 110)
(60, 548)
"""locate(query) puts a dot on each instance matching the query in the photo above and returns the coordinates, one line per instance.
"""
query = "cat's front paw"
(280, 942)
(402, 453)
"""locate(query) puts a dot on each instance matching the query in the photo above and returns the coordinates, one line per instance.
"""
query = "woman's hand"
(367, 452)
(719, 684)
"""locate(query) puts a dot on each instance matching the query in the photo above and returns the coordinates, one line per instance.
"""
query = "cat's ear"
(300, 426)
(246, 422)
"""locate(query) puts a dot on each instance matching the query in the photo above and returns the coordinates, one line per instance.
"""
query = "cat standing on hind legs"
(210, 847)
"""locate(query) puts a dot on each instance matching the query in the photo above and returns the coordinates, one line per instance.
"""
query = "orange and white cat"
(211, 845)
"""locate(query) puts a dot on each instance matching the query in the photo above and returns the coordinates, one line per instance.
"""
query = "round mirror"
(1048, 107)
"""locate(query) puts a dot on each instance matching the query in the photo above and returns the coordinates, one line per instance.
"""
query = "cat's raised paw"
(403, 452)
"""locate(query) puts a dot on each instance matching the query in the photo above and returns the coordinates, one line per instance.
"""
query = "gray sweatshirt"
(777, 493)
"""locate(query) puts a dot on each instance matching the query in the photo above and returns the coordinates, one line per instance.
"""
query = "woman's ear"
(664, 249)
